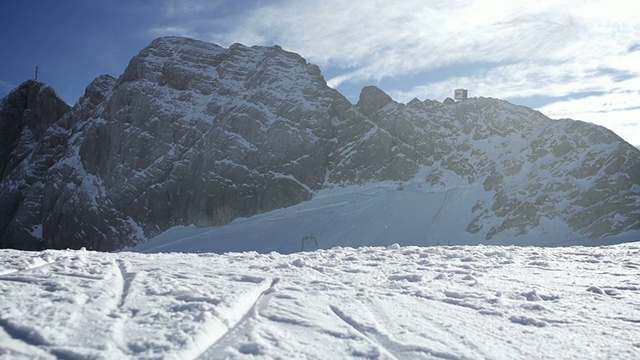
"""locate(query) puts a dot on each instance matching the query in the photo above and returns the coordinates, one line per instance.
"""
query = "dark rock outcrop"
(372, 99)
(25, 114)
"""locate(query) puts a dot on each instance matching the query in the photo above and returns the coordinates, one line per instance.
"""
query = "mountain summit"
(193, 133)
(27, 112)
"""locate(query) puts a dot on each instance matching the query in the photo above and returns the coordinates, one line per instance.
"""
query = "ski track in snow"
(241, 327)
(366, 333)
(388, 346)
(450, 302)
(126, 278)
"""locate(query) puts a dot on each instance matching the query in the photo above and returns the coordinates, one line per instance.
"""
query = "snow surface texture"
(375, 302)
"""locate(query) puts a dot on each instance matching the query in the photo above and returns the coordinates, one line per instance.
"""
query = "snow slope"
(375, 214)
(441, 302)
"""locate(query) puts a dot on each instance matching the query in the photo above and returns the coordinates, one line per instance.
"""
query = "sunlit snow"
(394, 302)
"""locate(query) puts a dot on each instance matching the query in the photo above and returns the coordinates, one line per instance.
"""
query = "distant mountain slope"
(375, 214)
(193, 133)
(535, 168)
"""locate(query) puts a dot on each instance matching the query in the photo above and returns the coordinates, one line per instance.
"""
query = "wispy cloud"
(190, 18)
(549, 42)
(544, 48)
(177, 9)
(171, 30)
(618, 111)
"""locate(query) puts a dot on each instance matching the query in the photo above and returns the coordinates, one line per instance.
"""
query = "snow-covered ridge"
(374, 302)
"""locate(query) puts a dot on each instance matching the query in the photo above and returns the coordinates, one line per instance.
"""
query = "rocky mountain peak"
(372, 99)
(187, 64)
(36, 104)
(25, 114)
(174, 62)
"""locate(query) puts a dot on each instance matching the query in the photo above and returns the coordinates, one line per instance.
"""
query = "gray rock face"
(26, 152)
(49, 200)
(214, 133)
(193, 133)
(372, 99)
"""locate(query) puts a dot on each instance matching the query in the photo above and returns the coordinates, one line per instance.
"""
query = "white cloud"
(378, 39)
(526, 80)
(620, 112)
(189, 18)
(627, 100)
(172, 30)
(544, 48)
(337, 80)
(622, 122)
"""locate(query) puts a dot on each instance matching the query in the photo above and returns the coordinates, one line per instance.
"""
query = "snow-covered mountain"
(193, 133)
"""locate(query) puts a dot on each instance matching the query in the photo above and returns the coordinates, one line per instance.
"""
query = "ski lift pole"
(308, 238)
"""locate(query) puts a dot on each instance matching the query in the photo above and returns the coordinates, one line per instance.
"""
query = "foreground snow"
(373, 302)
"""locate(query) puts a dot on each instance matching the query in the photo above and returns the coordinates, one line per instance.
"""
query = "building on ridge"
(460, 94)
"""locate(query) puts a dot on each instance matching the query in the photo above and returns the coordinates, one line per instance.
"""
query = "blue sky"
(565, 58)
